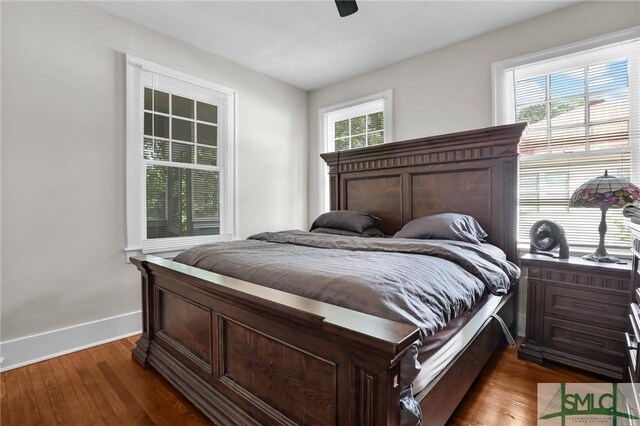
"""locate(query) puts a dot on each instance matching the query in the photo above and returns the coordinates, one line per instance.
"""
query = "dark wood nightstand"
(577, 313)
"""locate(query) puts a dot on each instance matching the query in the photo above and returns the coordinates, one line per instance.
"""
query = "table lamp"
(604, 192)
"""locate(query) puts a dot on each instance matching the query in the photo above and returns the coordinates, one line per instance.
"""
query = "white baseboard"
(39, 347)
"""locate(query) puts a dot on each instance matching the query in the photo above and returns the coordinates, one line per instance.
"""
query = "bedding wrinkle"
(424, 283)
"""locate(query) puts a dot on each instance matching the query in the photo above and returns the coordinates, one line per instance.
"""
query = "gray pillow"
(367, 233)
(444, 226)
(346, 220)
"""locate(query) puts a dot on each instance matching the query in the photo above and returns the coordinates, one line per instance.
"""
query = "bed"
(248, 354)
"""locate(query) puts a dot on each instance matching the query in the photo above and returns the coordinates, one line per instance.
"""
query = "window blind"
(584, 118)
(186, 161)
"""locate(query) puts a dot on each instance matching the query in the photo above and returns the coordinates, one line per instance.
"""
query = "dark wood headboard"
(473, 172)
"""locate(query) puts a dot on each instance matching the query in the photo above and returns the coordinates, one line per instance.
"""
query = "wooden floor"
(103, 385)
(505, 393)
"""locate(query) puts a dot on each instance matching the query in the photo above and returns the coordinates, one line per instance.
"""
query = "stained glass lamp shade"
(604, 192)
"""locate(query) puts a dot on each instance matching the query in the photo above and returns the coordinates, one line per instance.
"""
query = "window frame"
(136, 220)
(502, 77)
(327, 116)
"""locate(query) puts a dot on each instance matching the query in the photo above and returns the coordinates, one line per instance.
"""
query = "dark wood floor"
(103, 385)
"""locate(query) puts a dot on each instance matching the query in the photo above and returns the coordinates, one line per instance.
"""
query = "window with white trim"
(180, 159)
(355, 124)
(582, 106)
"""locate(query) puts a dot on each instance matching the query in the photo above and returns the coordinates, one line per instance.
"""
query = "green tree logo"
(614, 405)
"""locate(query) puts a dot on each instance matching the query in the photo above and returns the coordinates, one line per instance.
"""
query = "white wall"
(449, 89)
(63, 159)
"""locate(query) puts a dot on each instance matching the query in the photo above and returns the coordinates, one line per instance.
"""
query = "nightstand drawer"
(593, 343)
(590, 307)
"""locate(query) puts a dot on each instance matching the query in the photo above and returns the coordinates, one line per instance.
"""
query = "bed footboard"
(248, 354)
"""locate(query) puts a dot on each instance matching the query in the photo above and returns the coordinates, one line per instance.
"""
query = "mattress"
(438, 350)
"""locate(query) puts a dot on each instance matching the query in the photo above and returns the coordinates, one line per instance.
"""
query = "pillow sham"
(367, 233)
(444, 226)
(346, 220)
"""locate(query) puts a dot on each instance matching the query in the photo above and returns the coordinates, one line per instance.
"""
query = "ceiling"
(307, 44)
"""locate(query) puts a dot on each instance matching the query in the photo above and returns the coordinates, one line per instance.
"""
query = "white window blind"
(583, 114)
(180, 159)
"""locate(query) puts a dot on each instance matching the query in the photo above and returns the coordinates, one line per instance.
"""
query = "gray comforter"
(422, 282)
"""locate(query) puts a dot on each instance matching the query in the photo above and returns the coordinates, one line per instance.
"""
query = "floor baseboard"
(39, 347)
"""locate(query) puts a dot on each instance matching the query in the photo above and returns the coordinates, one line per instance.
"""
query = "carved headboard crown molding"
(472, 172)
(490, 142)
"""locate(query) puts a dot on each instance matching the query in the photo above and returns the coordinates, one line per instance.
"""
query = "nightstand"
(576, 313)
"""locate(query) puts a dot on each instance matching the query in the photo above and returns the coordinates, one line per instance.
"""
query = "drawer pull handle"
(632, 348)
(593, 308)
(590, 342)
(631, 341)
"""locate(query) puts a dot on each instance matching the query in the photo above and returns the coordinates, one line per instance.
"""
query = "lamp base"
(601, 255)
(602, 258)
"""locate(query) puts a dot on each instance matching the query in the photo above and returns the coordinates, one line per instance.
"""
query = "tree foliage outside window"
(535, 113)
(359, 131)
(181, 201)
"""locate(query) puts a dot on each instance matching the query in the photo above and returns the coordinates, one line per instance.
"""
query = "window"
(356, 125)
(180, 159)
(360, 131)
(581, 103)
(362, 122)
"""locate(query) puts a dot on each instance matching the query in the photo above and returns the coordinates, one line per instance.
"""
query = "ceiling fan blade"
(346, 7)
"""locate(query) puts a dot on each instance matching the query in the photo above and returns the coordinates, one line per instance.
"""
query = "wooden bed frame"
(247, 354)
